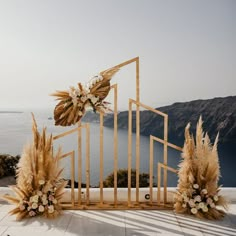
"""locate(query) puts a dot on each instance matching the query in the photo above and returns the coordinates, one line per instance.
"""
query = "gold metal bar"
(148, 108)
(101, 159)
(115, 144)
(158, 184)
(151, 169)
(165, 156)
(168, 144)
(73, 178)
(68, 132)
(79, 163)
(125, 63)
(168, 168)
(87, 162)
(137, 131)
(129, 151)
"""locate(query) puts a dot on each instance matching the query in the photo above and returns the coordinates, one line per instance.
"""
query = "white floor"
(117, 223)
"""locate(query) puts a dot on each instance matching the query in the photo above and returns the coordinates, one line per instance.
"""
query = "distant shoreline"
(6, 112)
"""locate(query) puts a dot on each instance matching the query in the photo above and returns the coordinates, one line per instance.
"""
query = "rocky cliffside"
(219, 115)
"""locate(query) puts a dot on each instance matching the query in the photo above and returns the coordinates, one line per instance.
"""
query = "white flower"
(194, 210)
(35, 198)
(45, 202)
(51, 209)
(197, 206)
(205, 209)
(44, 197)
(39, 193)
(54, 201)
(215, 198)
(191, 203)
(34, 205)
(32, 213)
(50, 198)
(212, 205)
(204, 191)
(41, 182)
(22, 207)
(197, 198)
(196, 186)
(41, 208)
(209, 201)
(201, 205)
(94, 99)
(184, 205)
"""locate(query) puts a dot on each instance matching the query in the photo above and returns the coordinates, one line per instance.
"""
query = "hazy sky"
(187, 48)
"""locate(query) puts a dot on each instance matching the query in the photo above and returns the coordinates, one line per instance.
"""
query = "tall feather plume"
(198, 190)
(38, 173)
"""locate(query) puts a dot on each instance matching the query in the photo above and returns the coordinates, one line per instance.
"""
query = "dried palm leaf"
(73, 103)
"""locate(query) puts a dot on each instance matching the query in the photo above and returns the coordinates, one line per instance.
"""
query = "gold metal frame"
(115, 204)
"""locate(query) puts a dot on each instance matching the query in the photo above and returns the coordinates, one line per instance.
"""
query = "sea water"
(15, 132)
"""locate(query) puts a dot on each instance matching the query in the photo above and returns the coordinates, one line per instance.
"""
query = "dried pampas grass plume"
(199, 171)
(38, 188)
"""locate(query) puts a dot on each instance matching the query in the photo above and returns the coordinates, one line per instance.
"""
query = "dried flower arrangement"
(38, 187)
(74, 103)
(198, 190)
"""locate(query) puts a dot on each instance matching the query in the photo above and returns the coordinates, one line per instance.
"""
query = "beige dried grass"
(198, 174)
(38, 174)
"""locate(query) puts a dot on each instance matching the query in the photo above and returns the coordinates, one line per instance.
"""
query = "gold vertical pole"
(151, 169)
(158, 184)
(73, 178)
(101, 159)
(115, 144)
(87, 162)
(165, 156)
(129, 151)
(137, 131)
(79, 163)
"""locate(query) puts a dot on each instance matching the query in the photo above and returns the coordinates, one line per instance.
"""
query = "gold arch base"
(81, 198)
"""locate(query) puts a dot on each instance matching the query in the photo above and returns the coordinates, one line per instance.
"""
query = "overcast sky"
(187, 48)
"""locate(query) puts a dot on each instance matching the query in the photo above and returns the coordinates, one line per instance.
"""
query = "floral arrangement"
(73, 103)
(38, 188)
(198, 190)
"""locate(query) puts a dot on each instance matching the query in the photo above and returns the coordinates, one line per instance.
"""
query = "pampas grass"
(73, 103)
(38, 187)
(199, 171)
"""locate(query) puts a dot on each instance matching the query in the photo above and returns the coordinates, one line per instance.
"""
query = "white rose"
(51, 209)
(191, 203)
(209, 201)
(201, 205)
(35, 198)
(194, 210)
(197, 198)
(205, 209)
(41, 208)
(204, 191)
(34, 205)
(196, 186)
(39, 193)
(45, 202)
(41, 182)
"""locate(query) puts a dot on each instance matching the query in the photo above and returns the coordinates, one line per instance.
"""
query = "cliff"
(219, 115)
